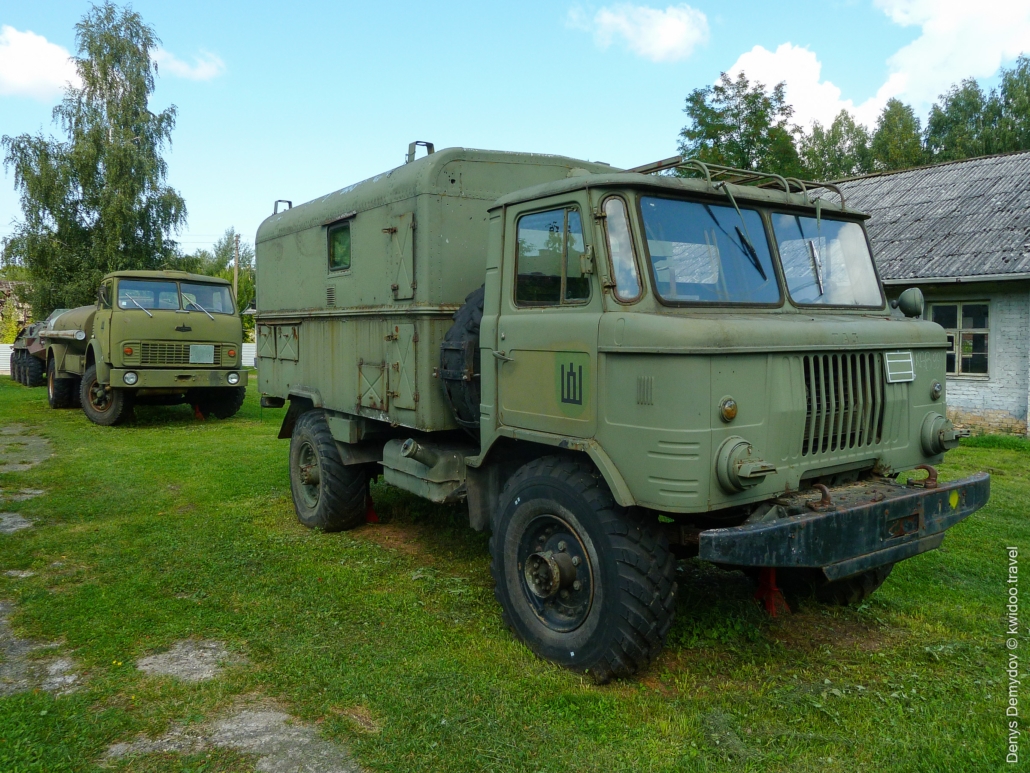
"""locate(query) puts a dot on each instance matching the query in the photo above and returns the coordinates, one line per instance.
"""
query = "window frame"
(957, 332)
(562, 302)
(774, 255)
(117, 289)
(641, 278)
(334, 225)
(822, 216)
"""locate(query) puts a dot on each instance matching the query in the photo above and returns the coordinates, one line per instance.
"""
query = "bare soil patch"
(281, 743)
(403, 537)
(12, 522)
(815, 629)
(19, 672)
(20, 495)
(190, 661)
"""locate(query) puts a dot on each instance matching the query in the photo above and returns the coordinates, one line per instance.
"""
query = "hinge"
(414, 338)
(391, 230)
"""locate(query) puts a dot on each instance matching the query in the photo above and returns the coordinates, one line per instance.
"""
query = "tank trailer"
(152, 337)
(612, 368)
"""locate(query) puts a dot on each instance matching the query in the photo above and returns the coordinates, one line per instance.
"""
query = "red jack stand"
(767, 591)
(197, 414)
(370, 511)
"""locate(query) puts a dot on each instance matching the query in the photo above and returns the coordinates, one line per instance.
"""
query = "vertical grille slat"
(845, 402)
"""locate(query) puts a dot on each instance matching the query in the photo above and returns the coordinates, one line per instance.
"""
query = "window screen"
(548, 264)
(339, 247)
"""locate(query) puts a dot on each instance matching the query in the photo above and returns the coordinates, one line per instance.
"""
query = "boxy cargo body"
(577, 350)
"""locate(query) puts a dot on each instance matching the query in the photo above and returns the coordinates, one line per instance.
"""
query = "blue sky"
(292, 101)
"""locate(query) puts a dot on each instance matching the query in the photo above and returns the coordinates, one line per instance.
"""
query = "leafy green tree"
(9, 322)
(897, 140)
(1014, 106)
(96, 201)
(964, 123)
(738, 123)
(836, 152)
(219, 261)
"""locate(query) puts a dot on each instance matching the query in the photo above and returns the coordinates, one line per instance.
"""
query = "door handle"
(502, 356)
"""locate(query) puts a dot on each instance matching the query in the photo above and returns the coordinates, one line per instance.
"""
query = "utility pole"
(236, 271)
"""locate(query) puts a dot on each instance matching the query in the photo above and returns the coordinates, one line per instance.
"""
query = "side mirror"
(910, 302)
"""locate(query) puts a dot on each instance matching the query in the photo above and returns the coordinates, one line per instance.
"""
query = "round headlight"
(80, 335)
(233, 378)
(130, 378)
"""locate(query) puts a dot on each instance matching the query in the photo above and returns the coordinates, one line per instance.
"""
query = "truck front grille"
(845, 395)
(161, 353)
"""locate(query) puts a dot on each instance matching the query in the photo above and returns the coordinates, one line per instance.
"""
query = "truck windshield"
(826, 262)
(213, 298)
(134, 293)
(708, 253)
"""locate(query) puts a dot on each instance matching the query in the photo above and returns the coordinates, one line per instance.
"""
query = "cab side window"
(339, 247)
(548, 265)
(104, 298)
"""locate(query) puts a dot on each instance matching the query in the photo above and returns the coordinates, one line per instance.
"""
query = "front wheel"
(102, 404)
(327, 494)
(583, 582)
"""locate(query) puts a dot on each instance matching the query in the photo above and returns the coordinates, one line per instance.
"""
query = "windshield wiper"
(144, 310)
(745, 240)
(194, 303)
(817, 263)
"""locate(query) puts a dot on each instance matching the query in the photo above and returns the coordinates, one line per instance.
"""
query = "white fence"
(249, 357)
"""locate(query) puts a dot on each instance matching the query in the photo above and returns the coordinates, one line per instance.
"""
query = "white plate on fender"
(900, 367)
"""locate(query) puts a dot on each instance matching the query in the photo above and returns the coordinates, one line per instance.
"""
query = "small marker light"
(728, 409)
(231, 352)
(936, 390)
(127, 350)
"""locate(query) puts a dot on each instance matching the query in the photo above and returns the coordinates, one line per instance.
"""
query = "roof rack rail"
(717, 173)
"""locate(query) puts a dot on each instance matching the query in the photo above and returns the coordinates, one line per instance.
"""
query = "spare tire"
(460, 362)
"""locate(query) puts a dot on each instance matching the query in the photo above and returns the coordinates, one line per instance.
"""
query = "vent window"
(339, 247)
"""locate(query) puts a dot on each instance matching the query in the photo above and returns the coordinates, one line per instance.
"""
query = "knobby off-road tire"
(101, 404)
(612, 588)
(326, 493)
(460, 362)
(15, 366)
(60, 392)
(223, 402)
(849, 591)
(33, 371)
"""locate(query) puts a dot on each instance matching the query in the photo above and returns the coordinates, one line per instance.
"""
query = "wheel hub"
(98, 397)
(547, 573)
(557, 577)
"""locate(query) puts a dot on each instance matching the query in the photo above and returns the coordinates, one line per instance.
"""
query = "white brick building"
(960, 231)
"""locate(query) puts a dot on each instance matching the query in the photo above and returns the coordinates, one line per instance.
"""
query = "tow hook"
(930, 481)
(825, 503)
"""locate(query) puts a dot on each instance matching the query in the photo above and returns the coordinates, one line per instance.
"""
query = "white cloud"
(32, 66)
(205, 66)
(958, 39)
(661, 36)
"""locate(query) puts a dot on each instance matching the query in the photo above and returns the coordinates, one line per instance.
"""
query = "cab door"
(102, 320)
(546, 355)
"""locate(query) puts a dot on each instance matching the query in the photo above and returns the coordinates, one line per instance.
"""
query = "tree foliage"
(738, 123)
(839, 151)
(219, 261)
(964, 124)
(897, 141)
(96, 201)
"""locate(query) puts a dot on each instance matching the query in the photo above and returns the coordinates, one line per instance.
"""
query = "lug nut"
(577, 585)
(564, 594)
(575, 560)
(561, 545)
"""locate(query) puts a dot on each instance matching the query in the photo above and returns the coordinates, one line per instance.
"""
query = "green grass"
(172, 528)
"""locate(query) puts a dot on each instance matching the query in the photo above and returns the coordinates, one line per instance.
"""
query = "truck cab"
(613, 368)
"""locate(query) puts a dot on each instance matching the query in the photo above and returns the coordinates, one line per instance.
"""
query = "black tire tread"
(646, 568)
(463, 396)
(34, 371)
(64, 390)
(342, 502)
(223, 402)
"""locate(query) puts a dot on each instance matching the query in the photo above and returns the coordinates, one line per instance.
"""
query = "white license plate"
(202, 354)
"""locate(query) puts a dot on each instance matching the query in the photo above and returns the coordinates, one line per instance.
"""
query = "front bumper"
(168, 378)
(869, 524)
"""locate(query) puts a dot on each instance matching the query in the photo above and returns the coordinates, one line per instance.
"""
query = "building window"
(967, 326)
(339, 247)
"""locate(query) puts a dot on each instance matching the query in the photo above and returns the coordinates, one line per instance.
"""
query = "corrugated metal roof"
(958, 219)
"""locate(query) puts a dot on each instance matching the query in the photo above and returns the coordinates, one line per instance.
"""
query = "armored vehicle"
(613, 368)
(153, 337)
(28, 353)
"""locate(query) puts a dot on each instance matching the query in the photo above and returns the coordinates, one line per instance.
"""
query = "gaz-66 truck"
(613, 369)
(152, 337)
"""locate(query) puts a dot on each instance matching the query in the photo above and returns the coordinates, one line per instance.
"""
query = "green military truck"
(613, 369)
(152, 337)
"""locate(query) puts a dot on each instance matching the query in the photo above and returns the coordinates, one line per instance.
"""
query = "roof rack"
(717, 174)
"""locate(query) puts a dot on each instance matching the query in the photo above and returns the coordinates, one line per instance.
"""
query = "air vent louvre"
(330, 296)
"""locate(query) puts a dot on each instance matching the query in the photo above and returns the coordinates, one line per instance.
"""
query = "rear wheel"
(222, 403)
(15, 366)
(60, 392)
(102, 404)
(34, 371)
(327, 494)
(583, 582)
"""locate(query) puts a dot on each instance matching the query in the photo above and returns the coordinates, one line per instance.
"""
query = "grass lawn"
(388, 638)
